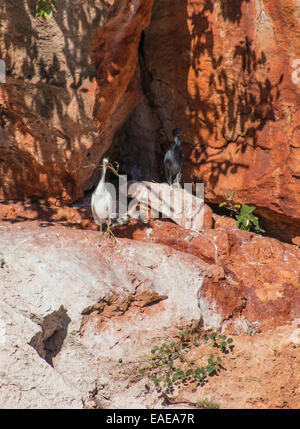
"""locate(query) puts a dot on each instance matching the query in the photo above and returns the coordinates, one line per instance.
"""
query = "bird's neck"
(177, 141)
(101, 183)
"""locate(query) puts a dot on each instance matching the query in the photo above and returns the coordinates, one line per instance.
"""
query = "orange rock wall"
(227, 73)
(63, 101)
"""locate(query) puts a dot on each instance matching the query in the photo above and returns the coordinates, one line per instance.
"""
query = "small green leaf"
(48, 14)
(210, 369)
(203, 370)
(170, 363)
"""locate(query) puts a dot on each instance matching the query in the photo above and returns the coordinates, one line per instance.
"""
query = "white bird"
(102, 202)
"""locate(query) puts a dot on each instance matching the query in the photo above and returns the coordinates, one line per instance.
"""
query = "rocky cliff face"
(68, 87)
(78, 321)
(228, 74)
(108, 76)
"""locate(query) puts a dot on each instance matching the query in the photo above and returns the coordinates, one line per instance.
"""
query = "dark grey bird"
(174, 159)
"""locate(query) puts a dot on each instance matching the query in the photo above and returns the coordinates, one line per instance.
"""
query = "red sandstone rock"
(115, 52)
(47, 101)
(94, 306)
(223, 71)
(251, 277)
(296, 241)
(227, 73)
(50, 144)
(261, 276)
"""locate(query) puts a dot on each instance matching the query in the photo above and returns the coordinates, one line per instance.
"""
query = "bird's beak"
(115, 171)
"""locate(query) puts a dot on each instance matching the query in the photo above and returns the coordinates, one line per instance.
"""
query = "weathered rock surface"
(27, 381)
(77, 320)
(84, 307)
(261, 282)
(228, 74)
(260, 276)
(262, 373)
(68, 87)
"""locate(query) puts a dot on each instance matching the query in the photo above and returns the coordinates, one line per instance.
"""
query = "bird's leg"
(175, 183)
(177, 180)
(109, 231)
(100, 233)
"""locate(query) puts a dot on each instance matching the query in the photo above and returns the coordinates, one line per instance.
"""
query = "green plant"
(207, 403)
(170, 365)
(220, 341)
(247, 220)
(45, 8)
(234, 208)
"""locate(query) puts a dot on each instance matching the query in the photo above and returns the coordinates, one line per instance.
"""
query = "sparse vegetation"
(246, 220)
(220, 341)
(207, 403)
(45, 8)
(170, 365)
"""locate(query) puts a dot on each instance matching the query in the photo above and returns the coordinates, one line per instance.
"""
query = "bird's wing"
(182, 157)
(92, 207)
(102, 205)
(167, 156)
